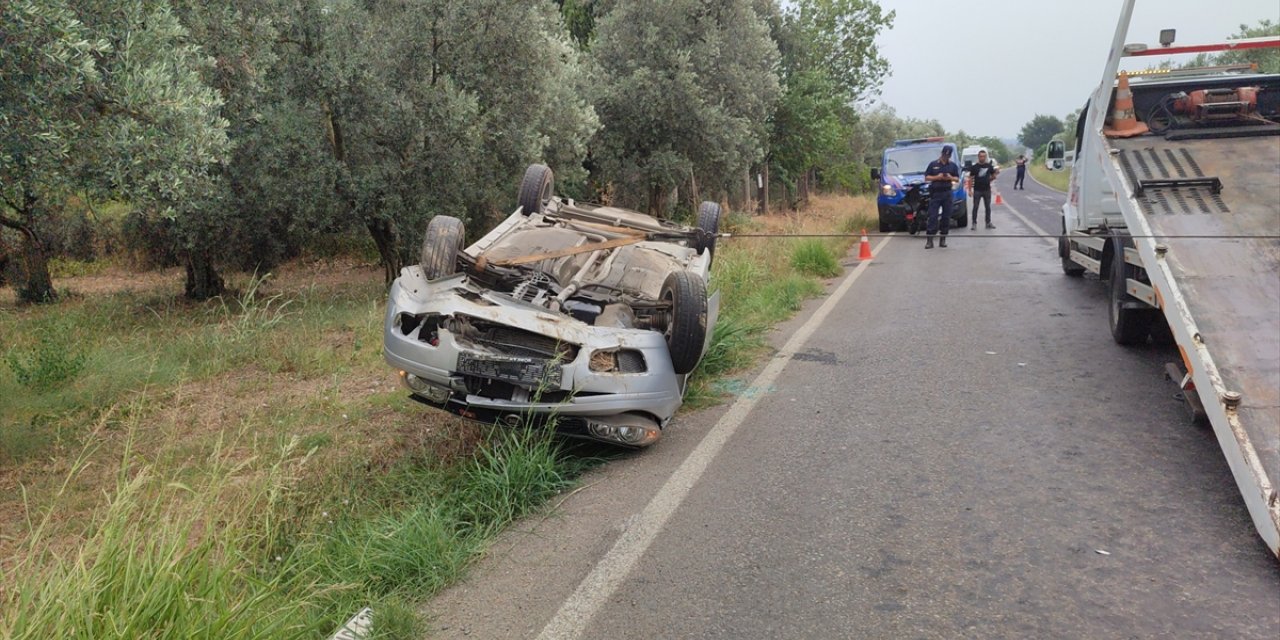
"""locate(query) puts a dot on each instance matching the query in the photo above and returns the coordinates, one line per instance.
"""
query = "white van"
(970, 155)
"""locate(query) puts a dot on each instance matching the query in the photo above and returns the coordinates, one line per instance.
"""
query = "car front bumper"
(579, 398)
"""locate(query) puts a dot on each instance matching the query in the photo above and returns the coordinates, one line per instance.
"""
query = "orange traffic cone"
(999, 198)
(1124, 124)
(864, 249)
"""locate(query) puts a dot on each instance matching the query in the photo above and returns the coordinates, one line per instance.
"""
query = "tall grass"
(813, 256)
(208, 560)
(163, 560)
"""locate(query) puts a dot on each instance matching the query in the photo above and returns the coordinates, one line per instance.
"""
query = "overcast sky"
(1008, 60)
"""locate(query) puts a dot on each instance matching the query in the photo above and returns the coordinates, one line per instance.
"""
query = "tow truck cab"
(902, 168)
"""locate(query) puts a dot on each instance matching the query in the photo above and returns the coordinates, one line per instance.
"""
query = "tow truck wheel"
(1129, 325)
(535, 189)
(708, 221)
(686, 326)
(1069, 267)
(440, 247)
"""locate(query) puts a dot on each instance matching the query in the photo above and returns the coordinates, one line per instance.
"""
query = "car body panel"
(477, 349)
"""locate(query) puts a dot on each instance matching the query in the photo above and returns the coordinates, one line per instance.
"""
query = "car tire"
(686, 327)
(440, 247)
(1069, 267)
(885, 226)
(963, 220)
(536, 189)
(1129, 326)
(708, 221)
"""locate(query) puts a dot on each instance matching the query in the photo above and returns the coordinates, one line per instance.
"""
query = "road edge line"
(613, 568)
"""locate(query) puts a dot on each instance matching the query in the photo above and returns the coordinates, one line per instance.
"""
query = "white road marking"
(1051, 238)
(598, 587)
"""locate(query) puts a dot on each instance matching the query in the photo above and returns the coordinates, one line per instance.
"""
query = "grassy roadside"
(248, 468)
(1058, 180)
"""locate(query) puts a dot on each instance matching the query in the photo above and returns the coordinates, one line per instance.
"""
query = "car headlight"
(422, 387)
(628, 435)
(888, 190)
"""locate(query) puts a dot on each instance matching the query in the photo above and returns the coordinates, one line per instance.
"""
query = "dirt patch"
(298, 275)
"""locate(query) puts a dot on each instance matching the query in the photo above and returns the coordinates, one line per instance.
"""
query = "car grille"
(513, 341)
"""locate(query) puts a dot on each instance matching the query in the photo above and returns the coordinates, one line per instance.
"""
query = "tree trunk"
(388, 242)
(39, 285)
(764, 190)
(34, 269)
(203, 281)
(655, 195)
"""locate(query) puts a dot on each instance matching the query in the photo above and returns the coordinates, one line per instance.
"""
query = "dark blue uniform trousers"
(940, 206)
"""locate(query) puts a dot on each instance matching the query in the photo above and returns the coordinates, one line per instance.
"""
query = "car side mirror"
(875, 174)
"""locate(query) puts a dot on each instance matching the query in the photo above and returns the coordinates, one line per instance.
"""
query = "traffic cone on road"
(999, 198)
(1124, 124)
(864, 248)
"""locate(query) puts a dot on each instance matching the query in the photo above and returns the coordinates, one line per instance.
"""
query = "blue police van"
(904, 195)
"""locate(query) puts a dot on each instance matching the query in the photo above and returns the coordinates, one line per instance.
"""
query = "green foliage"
(813, 257)
(1267, 59)
(579, 20)
(996, 148)
(877, 128)
(1040, 130)
(829, 62)
(49, 363)
(101, 98)
(683, 89)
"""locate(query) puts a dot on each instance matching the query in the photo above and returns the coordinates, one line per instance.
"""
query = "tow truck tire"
(440, 247)
(708, 221)
(1129, 325)
(1069, 267)
(536, 189)
(686, 329)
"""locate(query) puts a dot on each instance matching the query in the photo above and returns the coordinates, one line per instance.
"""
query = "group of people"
(943, 174)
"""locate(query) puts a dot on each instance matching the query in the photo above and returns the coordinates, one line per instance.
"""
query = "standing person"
(941, 175)
(982, 172)
(1022, 172)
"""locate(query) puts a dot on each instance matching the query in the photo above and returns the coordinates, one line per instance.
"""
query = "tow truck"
(1173, 203)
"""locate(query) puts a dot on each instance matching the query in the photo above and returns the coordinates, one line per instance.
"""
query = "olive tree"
(684, 89)
(99, 97)
(429, 106)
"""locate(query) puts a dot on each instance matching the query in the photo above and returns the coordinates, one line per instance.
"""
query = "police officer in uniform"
(941, 175)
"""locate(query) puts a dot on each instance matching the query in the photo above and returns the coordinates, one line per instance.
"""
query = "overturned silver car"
(591, 316)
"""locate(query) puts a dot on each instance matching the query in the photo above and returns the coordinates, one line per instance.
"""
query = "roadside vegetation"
(248, 467)
(1053, 179)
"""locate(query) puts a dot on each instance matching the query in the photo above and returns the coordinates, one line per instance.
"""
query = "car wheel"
(963, 220)
(708, 221)
(686, 326)
(536, 189)
(886, 224)
(1128, 325)
(440, 247)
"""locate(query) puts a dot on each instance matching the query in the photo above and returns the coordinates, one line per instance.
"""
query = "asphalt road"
(957, 449)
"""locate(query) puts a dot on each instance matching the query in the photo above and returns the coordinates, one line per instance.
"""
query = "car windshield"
(910, 159)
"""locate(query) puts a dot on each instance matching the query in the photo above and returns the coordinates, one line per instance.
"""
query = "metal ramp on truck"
(1205, 217)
